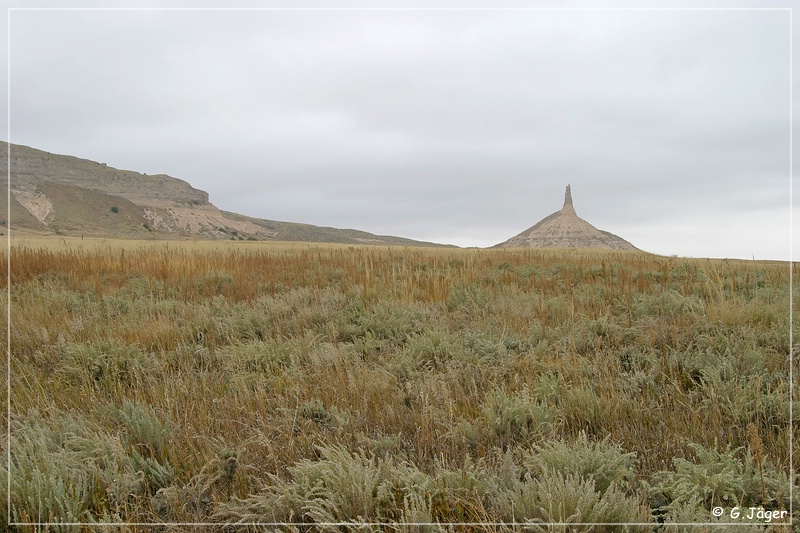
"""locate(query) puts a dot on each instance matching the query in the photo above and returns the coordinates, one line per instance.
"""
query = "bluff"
(52, 194)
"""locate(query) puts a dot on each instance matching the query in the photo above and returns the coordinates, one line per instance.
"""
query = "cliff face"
(30, 168)
(564, 229)
(65, 195)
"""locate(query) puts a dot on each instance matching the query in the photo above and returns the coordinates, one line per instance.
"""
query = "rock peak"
(568, 207)
(565, 229)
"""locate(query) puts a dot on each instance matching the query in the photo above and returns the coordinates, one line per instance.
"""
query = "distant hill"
(565, 229)
(65, 195)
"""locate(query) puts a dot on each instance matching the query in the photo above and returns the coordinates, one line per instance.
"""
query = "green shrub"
(669, 303)
(603, 463)
(108, 364)
(581, 409)
(719, 479)
(314, 411)
(394, 322)
(265, 357)
(194, 501)
(338, 487)
(464, 493)
(431, 349)
(516, 418)
(145, 431)
(66, 469)
(566, 499)
(471, 301)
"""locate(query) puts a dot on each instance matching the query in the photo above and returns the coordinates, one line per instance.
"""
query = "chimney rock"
(568, 207)
(565, 229)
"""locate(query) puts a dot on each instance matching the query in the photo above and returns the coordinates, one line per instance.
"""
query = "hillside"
(66, 195)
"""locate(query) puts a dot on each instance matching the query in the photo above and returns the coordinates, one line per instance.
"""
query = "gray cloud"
(456, 126)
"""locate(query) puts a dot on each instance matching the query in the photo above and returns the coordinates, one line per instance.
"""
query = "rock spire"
(568, 207)
(565, 229)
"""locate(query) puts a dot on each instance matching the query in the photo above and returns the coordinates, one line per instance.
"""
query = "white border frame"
(522, 525)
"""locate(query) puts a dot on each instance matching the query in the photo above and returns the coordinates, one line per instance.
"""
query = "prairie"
(326, 387)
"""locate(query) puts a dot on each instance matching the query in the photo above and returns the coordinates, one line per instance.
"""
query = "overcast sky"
(454, 126)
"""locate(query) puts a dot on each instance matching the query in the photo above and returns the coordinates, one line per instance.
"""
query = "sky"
(461, 124)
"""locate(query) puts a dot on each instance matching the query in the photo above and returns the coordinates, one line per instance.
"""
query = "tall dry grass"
(178, 383)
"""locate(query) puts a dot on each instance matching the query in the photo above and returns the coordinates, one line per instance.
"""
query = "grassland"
(240, 383)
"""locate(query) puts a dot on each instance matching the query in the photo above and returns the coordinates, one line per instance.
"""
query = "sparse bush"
(66, 469)
(431, 349)
(107, 364)
(472, 301)
(315, 412)
(338, 487)
(145, 431)
(601, 462)
(194, 500)
(515, 419)
(567, 499)
(464, 493)
(582, 409)
(720, 479)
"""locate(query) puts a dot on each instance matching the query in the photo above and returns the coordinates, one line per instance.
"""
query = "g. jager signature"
(757, 513)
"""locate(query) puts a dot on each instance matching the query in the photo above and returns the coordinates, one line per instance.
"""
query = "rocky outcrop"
(66, 195)
(30, 168)
(565, 229)
(35, 202)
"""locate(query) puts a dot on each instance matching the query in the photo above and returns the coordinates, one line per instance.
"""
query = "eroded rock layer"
(565, 229)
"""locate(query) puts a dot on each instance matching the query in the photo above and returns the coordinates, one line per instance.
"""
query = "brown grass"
(432, 357)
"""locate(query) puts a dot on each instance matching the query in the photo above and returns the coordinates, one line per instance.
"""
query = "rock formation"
(565, 229)
(65, 195)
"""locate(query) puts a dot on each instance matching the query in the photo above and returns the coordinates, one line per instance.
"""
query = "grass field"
(223, 383)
